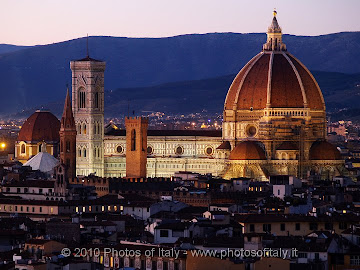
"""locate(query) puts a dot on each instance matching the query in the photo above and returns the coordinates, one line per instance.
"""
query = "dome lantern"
(274, 36)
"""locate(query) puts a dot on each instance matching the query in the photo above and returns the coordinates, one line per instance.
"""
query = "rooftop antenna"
(87, 46)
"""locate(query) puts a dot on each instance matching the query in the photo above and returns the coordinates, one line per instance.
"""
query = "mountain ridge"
(38, 75)
(340, 91)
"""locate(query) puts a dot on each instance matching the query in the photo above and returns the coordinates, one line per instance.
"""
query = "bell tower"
(68, 140)
(136, 146)
(88, 109)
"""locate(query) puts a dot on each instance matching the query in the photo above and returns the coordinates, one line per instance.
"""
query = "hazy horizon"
(60, 41)
(41, 22)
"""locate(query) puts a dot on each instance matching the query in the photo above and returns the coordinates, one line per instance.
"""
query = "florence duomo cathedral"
(274, 123)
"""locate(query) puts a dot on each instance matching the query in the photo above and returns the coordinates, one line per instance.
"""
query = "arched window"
(84, 129)
(23, 149)
(79, 152)
(39, 148)
(133, 140)
(82, 98)
(96, 101)
(79, 129)
(85, 152)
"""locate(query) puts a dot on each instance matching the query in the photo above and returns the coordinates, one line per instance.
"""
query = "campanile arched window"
(96, 101)
(82, 98)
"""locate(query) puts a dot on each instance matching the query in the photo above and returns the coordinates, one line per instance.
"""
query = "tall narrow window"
(96, 100)
(79, 152)
(133, 140)
(84, 129)
(82, 98)
(85, 152)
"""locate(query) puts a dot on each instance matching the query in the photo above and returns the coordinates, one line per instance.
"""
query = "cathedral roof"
(247, 150)
(40, 126)
(224, 146)
(175, 133)
(288, 146)
(88, 59)
(274, 79)
(323, 150)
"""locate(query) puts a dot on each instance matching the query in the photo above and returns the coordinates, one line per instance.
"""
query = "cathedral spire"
(67, 119)
(68, 139)
(274, 36)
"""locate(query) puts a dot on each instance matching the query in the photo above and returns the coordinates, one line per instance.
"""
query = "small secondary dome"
(247, 150)
(323, 150)
(40, 126)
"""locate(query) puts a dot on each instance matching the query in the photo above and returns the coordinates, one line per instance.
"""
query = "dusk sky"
(25, 22)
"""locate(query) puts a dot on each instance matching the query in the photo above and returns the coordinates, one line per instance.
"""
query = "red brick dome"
(40, 126)
(247, 150)
(274, 79)
(323, 150)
